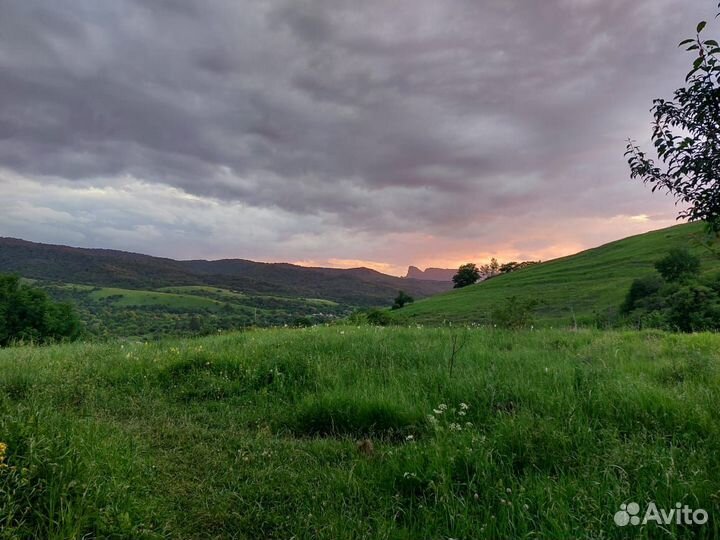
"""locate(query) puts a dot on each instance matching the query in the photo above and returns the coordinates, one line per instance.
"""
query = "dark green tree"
(402, 299)
(640, 290)
(686, 136)
(466, 275)
(28, 314)
(678, 265)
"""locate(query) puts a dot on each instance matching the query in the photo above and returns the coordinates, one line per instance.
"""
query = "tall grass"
(255, 435)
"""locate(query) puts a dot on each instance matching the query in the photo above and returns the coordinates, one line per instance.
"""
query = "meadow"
(342, 432)
(110, 312)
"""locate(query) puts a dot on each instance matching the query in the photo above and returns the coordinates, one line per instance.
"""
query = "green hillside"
(590, 284)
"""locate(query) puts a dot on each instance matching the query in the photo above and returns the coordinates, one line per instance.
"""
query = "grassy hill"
(255, 435)
(591, 284)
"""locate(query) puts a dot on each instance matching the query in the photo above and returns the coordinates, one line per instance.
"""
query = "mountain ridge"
(109, 267)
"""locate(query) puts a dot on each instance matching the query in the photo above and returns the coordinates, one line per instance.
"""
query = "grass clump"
(345, 415)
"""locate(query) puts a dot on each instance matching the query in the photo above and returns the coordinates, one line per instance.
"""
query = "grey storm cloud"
(383, 115)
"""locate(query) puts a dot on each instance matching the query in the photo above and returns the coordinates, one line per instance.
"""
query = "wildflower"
(461, 413)
(409, 438)
(526, 507)
(442, 407)
(455, 427)
(464, 406)
(508, 490)
(437, 411)
(468, 424)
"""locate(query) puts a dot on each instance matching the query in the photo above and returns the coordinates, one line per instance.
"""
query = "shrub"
(28, 314)
(640, 290)
(377, 317)
(679, 300)
(401, 299)
(678, 265)
(515, 313)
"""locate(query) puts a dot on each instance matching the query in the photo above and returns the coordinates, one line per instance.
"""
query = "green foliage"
(255, 435)
(515, 313)
(467, 274)
(28, 314)
(401, 299)
(678, 299)
(640, 291)
(686, 136)
(378, 317)
(678, 265)
(693, 307)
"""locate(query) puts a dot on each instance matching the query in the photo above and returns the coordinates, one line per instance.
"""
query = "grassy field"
(255, 435)
(593, 282)
(109, 312)
(130, 297)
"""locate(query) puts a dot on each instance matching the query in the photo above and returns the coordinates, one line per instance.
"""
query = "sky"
(381, 133)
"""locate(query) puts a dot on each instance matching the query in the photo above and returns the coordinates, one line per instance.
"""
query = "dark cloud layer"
(383, 117)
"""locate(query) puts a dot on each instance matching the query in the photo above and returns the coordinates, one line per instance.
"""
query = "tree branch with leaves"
(686, 137)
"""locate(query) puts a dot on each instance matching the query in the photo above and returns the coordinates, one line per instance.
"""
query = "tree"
(678, 265)
(512, 266)
(640, 290)
(680, 300)
(27, 313)
(491, 269)
(401, 299)
(467, 274)
(686, 136)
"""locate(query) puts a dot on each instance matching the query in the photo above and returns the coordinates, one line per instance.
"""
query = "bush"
(377, 317)
(679, 300)
(28, 314)
(401, 299)
(515, 313)
(640, 291)
(678, 265)
(694, 307)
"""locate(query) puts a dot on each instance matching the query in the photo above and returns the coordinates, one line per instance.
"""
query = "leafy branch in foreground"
(686, 136)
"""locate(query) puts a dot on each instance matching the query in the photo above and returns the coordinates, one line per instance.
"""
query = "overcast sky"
(334, 132)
